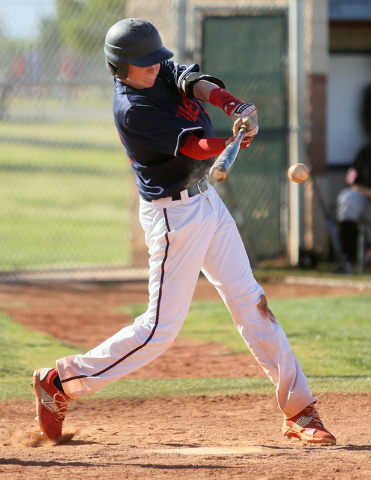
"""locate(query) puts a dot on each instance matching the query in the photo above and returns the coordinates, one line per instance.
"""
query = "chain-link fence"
(68, 196)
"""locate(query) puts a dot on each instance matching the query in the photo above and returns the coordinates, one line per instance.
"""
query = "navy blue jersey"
(153, 124)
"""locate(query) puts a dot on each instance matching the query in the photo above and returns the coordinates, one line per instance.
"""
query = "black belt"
(198, 188)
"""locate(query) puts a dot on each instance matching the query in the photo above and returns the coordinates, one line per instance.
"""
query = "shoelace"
(62, 402)
(311, 410)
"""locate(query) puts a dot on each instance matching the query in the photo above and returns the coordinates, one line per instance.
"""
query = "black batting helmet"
(133, 41)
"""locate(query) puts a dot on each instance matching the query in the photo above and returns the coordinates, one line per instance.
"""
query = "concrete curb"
(76, 275)
(327, 282)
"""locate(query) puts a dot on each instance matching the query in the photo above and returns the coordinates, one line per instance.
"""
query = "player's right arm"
(212, 90)
(192, 82)
(204, 148)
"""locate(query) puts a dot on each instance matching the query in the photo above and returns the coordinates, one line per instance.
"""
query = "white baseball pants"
(184, 237)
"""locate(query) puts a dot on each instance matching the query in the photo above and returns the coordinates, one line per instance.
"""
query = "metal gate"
(251, 59)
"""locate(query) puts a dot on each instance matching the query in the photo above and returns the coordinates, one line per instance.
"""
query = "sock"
(58, 384)
(348, 232)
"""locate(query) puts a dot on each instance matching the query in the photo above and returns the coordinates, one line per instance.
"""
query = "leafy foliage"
(84, 23)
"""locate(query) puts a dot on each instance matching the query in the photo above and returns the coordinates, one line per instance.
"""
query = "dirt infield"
(230, 437)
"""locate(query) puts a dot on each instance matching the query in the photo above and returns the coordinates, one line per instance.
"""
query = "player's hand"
(242, 113)
(244, 144)
(250, 120)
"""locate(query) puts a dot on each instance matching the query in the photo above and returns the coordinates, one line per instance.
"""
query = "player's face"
(142, 77)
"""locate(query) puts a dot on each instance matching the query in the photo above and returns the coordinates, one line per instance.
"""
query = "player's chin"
(149, 82)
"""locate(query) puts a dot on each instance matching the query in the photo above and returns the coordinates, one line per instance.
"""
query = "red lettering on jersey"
(191, 105)
(189, 110)
(187, 113)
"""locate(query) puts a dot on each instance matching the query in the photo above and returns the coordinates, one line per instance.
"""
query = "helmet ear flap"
(111, 67)
(120, 71)
(124, 71)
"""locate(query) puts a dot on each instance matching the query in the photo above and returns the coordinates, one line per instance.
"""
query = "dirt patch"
(231, 437)
(87, 314)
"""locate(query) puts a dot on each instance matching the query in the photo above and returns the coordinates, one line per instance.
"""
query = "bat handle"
(219, 171)
(241, 133)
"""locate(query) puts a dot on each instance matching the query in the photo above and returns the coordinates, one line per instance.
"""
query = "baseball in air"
(298, 173)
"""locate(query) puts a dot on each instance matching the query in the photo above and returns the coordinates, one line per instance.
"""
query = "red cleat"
(51, 403)
(308, 426)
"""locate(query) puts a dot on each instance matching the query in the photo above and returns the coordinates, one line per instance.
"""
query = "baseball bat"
(223, 164)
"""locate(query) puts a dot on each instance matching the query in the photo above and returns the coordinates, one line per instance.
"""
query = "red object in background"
(68, 66)
(19, 67)
(351, 176)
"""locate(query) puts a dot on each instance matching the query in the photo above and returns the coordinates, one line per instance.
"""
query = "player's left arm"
(242, 113)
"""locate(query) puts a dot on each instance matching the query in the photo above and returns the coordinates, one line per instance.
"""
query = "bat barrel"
(223, 164)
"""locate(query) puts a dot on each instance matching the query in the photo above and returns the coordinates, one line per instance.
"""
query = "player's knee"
(168, 333)
(163, 330)
(264, 310)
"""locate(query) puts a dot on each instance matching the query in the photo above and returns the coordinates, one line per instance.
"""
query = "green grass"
(21, 352)
(88, 99)
(19, 387)
(99, 133)
(65, 195)
(206, 321)
(330, 336)
(62, 219)
(225, 386)
(63, 157)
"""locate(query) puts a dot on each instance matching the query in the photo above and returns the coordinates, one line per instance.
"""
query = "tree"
(49, 44)
(3, 40)
(84, 23)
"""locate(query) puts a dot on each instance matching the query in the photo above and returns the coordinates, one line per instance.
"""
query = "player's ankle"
(58, 384)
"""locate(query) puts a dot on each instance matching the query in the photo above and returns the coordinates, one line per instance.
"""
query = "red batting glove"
(245, 144)
(234, 108)
(220, 97)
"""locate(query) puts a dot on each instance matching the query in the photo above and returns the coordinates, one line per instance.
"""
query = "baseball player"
(169, 139)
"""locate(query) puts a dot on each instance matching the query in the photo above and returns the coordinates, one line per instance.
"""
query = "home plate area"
(211, 451)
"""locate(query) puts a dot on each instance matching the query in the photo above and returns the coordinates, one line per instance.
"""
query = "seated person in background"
(354, 205)
(354, 202)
